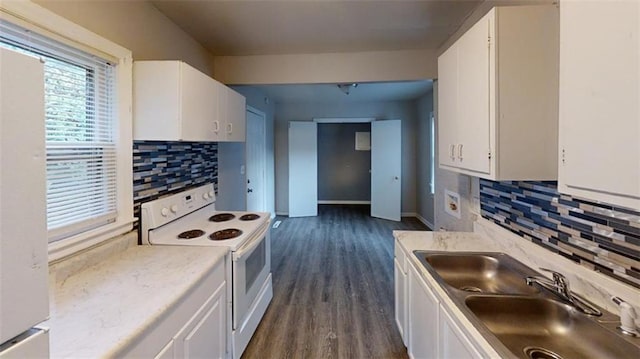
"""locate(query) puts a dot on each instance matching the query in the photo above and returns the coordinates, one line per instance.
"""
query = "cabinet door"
(205, 335)
(198, 105)
(208, 339)
(400, 278)
(423, 321)
(447, 106)
(473, 91)
(453, 343)
(167, 351)
(599, 101)
(236, 116)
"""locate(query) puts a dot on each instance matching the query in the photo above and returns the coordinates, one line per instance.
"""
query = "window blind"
(79, 125)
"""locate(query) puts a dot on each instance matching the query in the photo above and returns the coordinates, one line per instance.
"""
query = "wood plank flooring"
(333, 287)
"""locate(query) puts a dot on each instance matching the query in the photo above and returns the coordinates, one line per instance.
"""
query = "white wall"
(372, 66)
(136, 25)
(231, 184)
(231, 181)
(405, 111)
(425, 199)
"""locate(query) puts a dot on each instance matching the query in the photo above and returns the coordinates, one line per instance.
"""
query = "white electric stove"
(190, 218)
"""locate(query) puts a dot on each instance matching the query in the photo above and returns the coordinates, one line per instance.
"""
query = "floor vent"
(277, 224)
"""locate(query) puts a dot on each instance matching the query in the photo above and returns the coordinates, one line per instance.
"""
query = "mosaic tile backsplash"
(161, 168)
(598, 236)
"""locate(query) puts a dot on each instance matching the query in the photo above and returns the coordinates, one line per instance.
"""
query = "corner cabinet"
(175, 102)
(600, 101)
(498, 96)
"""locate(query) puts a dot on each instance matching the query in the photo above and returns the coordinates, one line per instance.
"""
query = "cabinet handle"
(216, 126)
(452, 149)
(460, 151)
(229, 127)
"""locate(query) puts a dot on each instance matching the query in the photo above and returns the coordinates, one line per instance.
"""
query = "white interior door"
(255, 147)
(303, 169)
(386, 168)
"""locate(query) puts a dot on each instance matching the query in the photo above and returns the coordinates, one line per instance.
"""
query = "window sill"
(81, 242)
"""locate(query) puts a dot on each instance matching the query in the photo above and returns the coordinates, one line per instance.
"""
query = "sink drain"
(540, 353)
(469, 288)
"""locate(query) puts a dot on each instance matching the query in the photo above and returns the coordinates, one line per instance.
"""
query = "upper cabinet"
(600, 101)
(233, 111)
(498, 96)
(175, 102)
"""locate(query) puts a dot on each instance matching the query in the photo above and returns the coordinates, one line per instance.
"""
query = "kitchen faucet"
(559, 286)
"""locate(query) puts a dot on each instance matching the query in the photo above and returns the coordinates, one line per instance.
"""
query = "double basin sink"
(521, 320)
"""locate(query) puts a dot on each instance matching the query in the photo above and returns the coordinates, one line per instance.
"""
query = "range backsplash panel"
(161, 168)
(602, 237)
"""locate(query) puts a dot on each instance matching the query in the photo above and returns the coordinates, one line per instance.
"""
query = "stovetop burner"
(225, 234)
(249, 217)
(222, 217)
(194, 233)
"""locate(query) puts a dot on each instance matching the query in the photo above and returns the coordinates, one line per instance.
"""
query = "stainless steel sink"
(479, 272)
(544, 328)
(518, 320)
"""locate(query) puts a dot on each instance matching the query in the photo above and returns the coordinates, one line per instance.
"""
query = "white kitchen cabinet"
(497, 100)
(600, 101)
(422, 318)
(453, 342)
(401, 291)
(233, 112)
(197, 326)
(204, 336)
(430, 330)
(167, 352)
(175, 102)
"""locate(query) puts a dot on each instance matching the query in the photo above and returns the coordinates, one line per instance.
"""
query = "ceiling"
(268, 27)
(330, 93)
(240, 27)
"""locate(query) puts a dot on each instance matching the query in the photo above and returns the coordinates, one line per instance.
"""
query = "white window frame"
(40, 20)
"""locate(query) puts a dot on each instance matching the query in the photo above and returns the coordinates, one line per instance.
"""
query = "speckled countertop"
(100, 310)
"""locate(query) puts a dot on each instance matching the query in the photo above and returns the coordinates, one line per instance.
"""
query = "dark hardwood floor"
(333, 287)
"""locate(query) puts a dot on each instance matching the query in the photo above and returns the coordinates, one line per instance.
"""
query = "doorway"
(385, 183)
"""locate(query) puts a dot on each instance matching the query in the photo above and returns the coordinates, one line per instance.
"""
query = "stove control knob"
(210, 193)
(174, 208)
(164, 212)
(205, 195)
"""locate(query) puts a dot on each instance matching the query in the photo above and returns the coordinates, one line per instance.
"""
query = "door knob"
(396, 178)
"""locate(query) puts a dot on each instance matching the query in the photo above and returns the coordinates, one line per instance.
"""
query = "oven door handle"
(248, 248)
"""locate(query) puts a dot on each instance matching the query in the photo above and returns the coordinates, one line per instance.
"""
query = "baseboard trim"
(343, 202)
(407, 214)
(425, 222)
(285, 214)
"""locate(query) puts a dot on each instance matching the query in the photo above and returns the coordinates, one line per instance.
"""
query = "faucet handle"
(557, 276)
(560, 281)
(628, 318)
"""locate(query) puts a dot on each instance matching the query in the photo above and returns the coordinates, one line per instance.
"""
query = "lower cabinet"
(453, 343)
(423, 319)
(196, 327)
(429, 330)
(401, 292)
(204, 335)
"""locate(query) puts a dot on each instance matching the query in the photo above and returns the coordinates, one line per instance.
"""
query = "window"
(88, 146)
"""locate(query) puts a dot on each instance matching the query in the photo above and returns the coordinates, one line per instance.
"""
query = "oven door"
(251, 268)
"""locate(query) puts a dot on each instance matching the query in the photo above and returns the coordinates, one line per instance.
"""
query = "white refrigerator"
(24, 301)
